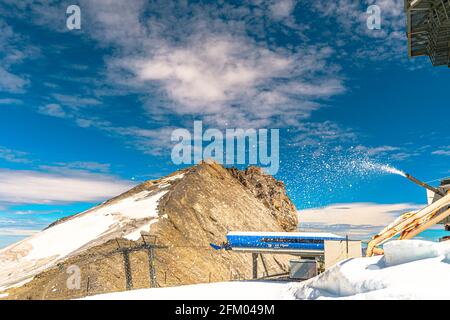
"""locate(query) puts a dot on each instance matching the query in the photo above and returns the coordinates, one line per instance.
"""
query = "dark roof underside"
(428, 27)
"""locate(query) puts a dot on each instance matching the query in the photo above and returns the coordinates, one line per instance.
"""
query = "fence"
(126, 265)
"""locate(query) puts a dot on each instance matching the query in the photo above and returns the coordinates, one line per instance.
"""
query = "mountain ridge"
(185, 211)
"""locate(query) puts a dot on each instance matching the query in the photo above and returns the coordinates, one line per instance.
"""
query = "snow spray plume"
(314, 173)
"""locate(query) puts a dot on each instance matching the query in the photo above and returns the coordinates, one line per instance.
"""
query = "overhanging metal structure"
(428, 29)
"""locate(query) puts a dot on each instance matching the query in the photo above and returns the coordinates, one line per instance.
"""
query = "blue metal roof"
(292, 242)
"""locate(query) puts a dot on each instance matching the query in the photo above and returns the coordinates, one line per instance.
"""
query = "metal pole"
(255, 265)
(346, 242)
(87, 284)
(151, 262)
(423, 184)
(264, 264)
(127, 268)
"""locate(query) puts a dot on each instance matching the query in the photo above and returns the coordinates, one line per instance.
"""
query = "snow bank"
(410, 269)
(234, 290)
(399, 252)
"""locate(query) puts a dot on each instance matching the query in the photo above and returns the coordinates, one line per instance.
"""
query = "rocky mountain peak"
(184, 212)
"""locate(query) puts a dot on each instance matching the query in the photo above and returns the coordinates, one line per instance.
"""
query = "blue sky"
(86, 114)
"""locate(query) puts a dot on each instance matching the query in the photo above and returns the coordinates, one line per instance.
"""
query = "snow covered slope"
(126, 216)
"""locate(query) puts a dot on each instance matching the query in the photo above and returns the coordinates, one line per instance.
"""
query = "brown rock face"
(198, 209)
(271, 193)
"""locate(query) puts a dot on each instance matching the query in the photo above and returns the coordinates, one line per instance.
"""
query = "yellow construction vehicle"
(411, 224)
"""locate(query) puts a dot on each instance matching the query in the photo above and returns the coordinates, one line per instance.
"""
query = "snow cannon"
(410, 224)
(436, 191)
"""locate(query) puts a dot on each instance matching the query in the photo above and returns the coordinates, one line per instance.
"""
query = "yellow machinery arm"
(411, 224)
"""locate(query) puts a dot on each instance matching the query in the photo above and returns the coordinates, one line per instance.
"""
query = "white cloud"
(222, 63)
(35, 187)
(17, 232)
(10, 82)
(389, 152)
(6, 101)
(282, 9)
(14, 51)
(64, 167)
(201, 60)
(358, 220)
(53, 110)
(212, 71)
(230, 79)
(13, 155)
(444, 151)
(351, 18)
(371, 151)
(314, 133)
(75, 101)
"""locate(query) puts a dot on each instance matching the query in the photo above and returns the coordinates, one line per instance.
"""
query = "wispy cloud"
(359, 220)
(75, 101)
(394, 153)
(444, 151)
(70, 167)
(281, 9)
(201, 60)
(221, 63)
(14, 155)
(35, 187)
(17, 232)
(15, 50)
(316, 133)
(349, 21)
(53, 110)
(10, 82)
(10, 101)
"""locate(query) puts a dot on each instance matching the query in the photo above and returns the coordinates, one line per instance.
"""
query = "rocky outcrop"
(199, 206)
(270, 192)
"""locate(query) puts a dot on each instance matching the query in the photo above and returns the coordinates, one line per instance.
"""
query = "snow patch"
(81, 230)
(413, 270)
(20, 262)
(136, 235)
(174, 177)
